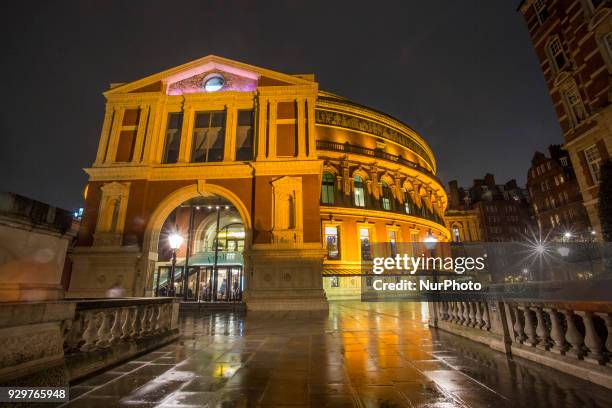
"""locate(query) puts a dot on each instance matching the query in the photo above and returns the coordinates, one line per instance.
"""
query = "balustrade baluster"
(115, 331)
(452, 311)
(472, 314)
(90, 334)
(136, 331)
(485, 317)
(146, 328)
(155, 318)
(592, 339)
(556, 332)
(573, 336)
(608, 320)
(542, 330)
(126, 328)
(530, 328)
(478, 315)
(104, 330)
(466, 314)
(519, 329)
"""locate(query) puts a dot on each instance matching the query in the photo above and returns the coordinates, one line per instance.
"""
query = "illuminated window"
(593, 161)
(213, 82)
(244, 135)
(208, 137)
(334, 282)
(332, 242)
(327, 189)
(173, 138)
(541, 11)
(364, 242)
(564, 161)
(456, 234)
(386, 197)
(408, 204)
(555, 50)
(392, 242)
(358, 192)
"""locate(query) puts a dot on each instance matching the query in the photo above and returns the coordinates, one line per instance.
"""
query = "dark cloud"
(464, 74)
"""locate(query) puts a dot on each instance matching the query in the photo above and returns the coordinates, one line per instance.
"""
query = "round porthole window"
(213, 82)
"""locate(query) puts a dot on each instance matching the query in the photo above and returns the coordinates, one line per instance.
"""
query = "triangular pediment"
(190, 78)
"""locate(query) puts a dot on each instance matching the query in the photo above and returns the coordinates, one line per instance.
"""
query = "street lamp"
(430, 241)
(175, 241)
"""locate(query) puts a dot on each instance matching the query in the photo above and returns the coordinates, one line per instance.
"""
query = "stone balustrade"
(572, 337)
(53, 343)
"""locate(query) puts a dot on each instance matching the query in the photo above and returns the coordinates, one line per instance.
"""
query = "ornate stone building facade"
(555, 196)
(573, 41)
(283, 182)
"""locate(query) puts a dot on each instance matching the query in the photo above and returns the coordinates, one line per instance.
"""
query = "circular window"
(213, 82)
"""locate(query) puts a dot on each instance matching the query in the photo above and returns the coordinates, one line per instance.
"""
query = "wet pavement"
(357, 355)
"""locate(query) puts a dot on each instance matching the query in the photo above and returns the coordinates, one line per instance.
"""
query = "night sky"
(462, 73)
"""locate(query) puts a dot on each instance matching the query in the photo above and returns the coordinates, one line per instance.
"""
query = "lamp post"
(175, 241)
(430, 243)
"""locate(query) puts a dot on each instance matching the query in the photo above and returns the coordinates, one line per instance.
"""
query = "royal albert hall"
(219, 181)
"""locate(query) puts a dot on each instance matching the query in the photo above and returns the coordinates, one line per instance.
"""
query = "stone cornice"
(396, 131)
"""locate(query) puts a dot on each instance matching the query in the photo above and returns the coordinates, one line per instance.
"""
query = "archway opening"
(206, 263)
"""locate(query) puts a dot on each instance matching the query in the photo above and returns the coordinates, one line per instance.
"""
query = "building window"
(327, 189)
(334, 282)
(385, 196)
(408, 206)
(244, 135)
(392, 242)
(541, 11)
(593, 160)
(332, 242)
(208, 137)
(364, 242)
(575, 105)
(173, 138)
(555, 50)
(564, 161)
(358, 192)
(456, 234)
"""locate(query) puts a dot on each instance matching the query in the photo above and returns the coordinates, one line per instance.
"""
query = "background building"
(555, 196)
(272, 183)
(573, 41)
(502, 209)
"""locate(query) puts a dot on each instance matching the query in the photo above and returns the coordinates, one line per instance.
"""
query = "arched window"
(456, 234)
(358, 192)
(327, 189)
(386, 196)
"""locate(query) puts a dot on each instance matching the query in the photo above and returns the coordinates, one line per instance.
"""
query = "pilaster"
(301, 129)
(111, 153)
(262, 124)
(272, 129)
(186, 135)
(231, 119)
(140, 134)
(104, 134)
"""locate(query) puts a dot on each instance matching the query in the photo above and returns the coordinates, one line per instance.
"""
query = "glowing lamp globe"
(430, 241)
(175, 241)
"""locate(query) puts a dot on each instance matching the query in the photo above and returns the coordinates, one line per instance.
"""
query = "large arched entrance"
(200, 251)
(213, 230)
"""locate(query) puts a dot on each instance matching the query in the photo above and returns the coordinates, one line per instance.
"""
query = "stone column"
(229, 153)
(186, 135)
(301, 129)
(114, 136)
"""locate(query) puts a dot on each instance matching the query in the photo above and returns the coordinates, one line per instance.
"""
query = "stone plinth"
(285, 277)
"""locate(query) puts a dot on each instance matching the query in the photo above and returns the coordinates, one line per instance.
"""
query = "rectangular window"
(593, 159)
(364, 242)
(556, 53)
(332, 243)
(564, 161)
(334, 282)
(244, 135)
(541, 11)
(575, 104)
(392, 242)
(208, 137)
(173, 137)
